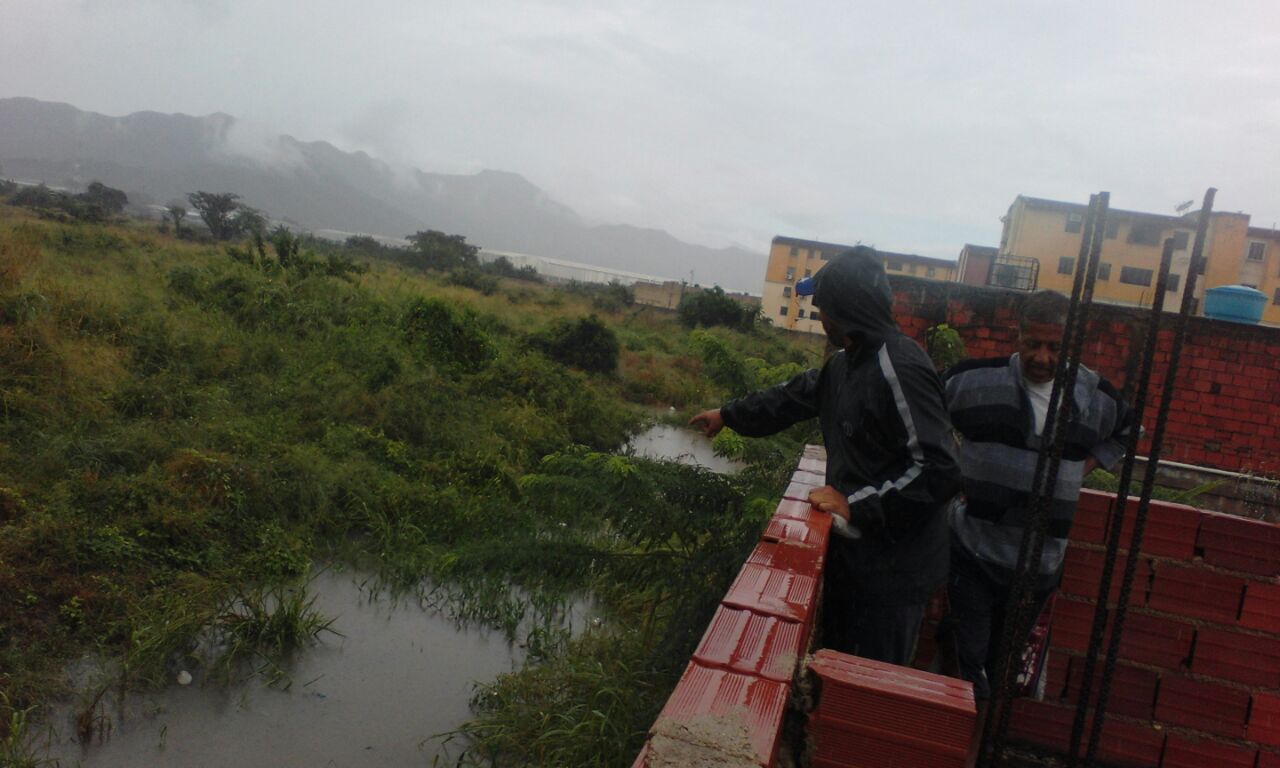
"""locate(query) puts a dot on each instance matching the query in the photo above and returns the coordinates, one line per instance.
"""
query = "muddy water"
(681, 444)
(399, 675)
(370, 698)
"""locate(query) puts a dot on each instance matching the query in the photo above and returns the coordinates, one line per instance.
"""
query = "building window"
(791, 273)
(1066, 265)
(1113, 229)
(786, 291)
(1104, 271)
(893, 264)
(1180, 240)
(1257, 251)
(1075, 222)
(911, 269)
(1135, 276)
(813, 253)
(800, 313)
(930, 272)
(1144, 234)
(782, 310)
(795, 251)
(1175, 281)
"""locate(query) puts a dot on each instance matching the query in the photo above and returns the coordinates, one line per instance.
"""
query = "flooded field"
(373, 695)
(681, 444)
(396, 676)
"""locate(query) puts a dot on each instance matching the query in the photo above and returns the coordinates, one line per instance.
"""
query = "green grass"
(183, 433)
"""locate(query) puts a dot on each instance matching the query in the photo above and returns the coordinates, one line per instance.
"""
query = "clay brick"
(1183, 752)
(1261, 608)
(1130, 744)
(1196, 592)
(1082, 576)
(751, 703)
(1049, 725)
(1268, 759)
(1240, 544)
(1133, 690)
(1042, 724)
(1202, 706)
(1056, 673)
(1247, 659)
(1156, 640)
(751, 644)
(1072, 623)
(1093, 510)
(1170, 531)
(1264, 720)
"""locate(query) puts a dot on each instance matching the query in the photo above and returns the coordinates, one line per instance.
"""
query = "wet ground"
(372, 697)
(369, 698)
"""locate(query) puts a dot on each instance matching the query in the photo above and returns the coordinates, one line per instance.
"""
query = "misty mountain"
(158, 158)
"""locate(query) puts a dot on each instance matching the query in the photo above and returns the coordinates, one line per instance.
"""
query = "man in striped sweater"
(999, 407)
(891, 467)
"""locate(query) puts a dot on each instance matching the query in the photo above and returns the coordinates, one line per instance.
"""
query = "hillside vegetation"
(186, 430)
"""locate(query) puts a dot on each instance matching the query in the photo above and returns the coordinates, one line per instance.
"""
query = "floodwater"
(397, 676)
(371, 697)
(681, 444)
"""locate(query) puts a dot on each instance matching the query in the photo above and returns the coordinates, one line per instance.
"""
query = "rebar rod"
(1118, 507)
(1153, 462)
(1018, 612)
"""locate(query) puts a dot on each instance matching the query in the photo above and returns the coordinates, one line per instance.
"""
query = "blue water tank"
(1237, 303)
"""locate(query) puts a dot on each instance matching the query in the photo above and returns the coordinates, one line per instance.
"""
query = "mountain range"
(158, 158)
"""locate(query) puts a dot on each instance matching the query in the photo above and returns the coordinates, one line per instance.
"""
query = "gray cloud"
(911, 125)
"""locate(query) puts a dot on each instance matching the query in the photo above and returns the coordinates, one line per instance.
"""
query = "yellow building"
(792, 259)
(1049, 232)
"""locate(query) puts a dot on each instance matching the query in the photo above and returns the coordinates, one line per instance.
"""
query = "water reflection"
(367, 699)
(663, 441)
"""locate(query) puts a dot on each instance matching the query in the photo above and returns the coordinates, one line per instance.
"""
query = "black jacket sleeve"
(912, 490)
(773, 410)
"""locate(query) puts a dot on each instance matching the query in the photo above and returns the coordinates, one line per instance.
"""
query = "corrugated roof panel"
(726, 711)
(750, 643)
(774, 592)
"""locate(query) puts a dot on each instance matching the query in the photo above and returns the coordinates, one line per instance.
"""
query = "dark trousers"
(977, 620)
(856, 623)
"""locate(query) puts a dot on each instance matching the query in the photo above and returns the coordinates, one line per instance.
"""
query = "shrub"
(585, 343)
(714, 307)
(945, 346)
(447, 335)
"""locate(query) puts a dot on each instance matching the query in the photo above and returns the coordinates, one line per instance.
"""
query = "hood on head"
(852, 290)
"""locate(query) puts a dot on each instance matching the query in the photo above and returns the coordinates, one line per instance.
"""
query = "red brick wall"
(1226, 408)
(1198, 675)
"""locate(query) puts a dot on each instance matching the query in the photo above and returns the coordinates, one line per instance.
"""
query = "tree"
(436, 250)
(585, 343)
(177, 213)
(248, 220)
(714, 307)
(217, 209)
(108, 199)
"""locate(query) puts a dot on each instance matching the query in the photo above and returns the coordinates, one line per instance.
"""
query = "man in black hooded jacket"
(891, 465)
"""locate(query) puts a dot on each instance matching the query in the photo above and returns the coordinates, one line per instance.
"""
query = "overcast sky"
(908, 125)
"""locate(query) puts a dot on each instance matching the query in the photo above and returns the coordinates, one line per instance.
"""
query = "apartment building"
(1044, 236)
(792, 259)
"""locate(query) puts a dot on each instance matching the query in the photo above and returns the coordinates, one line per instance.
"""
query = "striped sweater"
(999, 447)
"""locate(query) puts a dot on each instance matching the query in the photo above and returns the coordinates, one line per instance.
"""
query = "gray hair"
(1048, 307)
